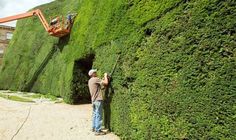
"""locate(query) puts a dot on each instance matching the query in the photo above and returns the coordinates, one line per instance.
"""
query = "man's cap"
(92, 71)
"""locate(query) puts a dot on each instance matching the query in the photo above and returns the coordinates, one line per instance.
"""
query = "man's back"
(94, 84)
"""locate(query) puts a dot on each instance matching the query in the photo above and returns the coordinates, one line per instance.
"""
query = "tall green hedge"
(36, 61)
(176, 76)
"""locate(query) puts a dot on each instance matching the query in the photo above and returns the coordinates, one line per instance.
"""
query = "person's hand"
(105, 74)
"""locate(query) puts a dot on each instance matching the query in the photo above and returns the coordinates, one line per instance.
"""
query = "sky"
(13, 7)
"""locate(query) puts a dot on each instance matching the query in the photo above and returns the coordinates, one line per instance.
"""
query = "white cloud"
(13, 7)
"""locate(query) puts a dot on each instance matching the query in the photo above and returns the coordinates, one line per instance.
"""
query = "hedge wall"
(36, 61)
(176, 76)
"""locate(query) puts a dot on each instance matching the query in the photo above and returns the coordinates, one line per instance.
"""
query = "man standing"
(95, 84)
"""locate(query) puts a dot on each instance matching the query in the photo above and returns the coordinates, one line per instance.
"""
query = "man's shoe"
(93, 129)
(105, 130)
(99, 133)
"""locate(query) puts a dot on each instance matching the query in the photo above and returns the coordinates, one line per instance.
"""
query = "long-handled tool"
(107, 94)
(114, 67)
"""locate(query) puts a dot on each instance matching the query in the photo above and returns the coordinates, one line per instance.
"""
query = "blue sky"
(12, 7)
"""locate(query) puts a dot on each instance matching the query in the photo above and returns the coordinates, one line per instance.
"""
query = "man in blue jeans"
(95, 85)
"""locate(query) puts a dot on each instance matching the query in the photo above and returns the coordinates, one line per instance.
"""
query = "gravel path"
(47, 121)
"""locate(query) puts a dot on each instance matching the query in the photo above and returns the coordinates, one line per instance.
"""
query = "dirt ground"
(46, 121)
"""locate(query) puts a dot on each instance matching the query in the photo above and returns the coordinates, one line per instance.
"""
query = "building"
(6, 33)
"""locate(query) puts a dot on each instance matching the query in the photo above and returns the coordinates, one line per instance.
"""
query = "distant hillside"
(176, 76)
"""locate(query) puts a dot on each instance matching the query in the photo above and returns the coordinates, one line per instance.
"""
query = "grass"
(27, 97)
(37, 96)
(16, 98)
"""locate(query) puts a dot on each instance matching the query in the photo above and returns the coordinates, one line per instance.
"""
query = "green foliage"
(176, 78)
(38, 63)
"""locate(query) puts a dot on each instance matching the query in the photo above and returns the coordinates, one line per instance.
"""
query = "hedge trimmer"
(114, 67)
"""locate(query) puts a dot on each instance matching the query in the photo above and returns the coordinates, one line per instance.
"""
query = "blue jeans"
(97, 116)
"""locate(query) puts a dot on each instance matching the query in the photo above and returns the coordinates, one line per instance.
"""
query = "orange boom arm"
(26, 15)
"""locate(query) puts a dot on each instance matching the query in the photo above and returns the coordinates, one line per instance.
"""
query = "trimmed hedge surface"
(176, 76)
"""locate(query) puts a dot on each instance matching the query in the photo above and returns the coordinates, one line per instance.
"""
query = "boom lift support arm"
(26, 15)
